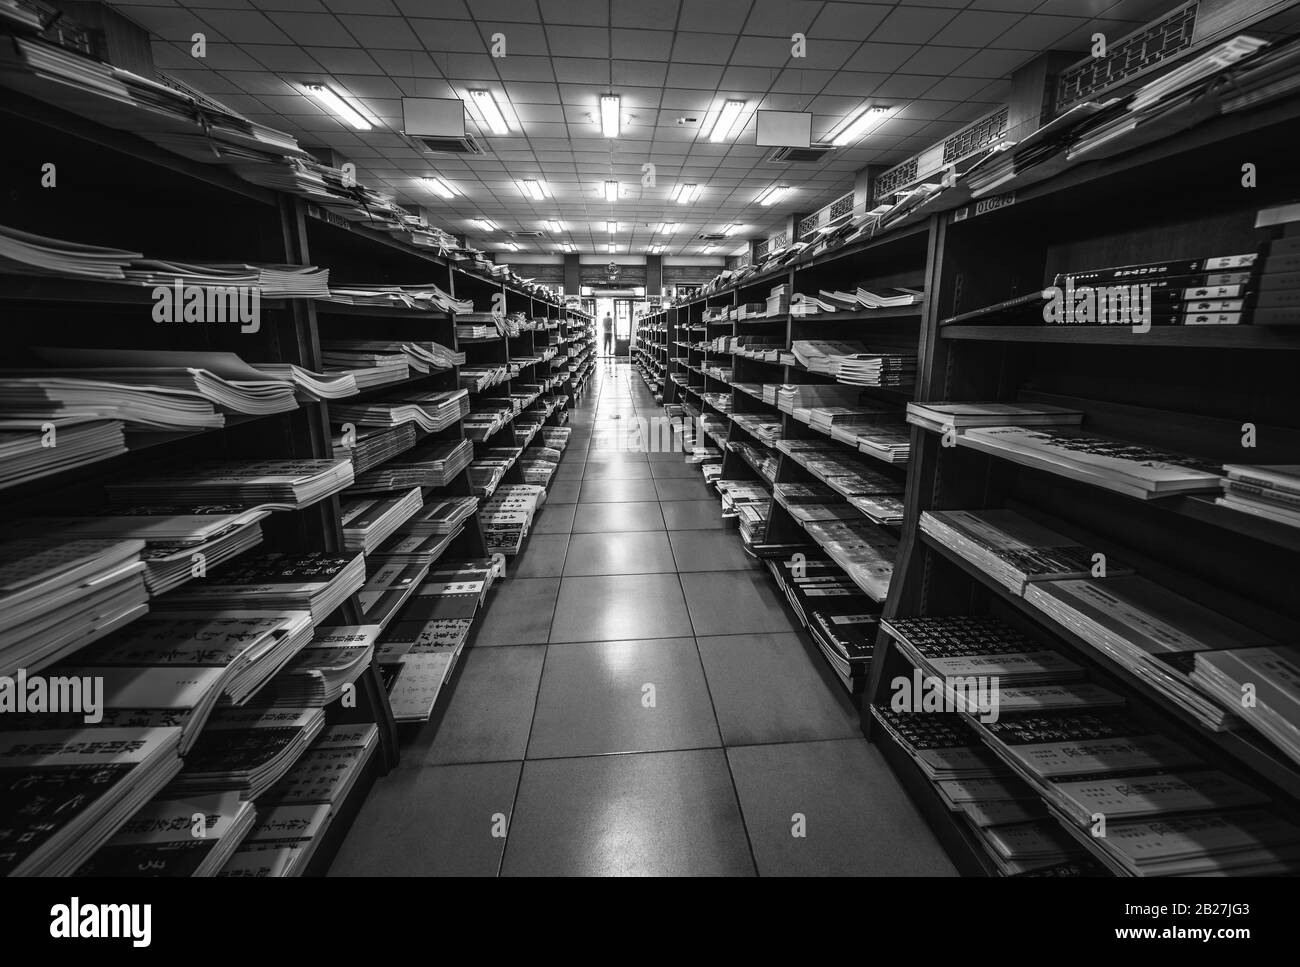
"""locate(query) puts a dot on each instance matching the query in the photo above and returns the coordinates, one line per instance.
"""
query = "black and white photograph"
(651, 439)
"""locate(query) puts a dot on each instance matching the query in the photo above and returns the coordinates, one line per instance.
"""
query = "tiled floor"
(637, 699)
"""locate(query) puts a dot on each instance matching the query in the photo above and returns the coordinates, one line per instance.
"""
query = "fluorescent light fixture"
(611, 227)
(555, 226)
(485, 223)
(667, 227)
(655, 249)
(439, 187)
(708, 248)
(489, 112)
(533, 189)
(612, 248)
(512, 246)
(730, 229)
(568, 247)
(611, 191)
(685, 194)
(609, 115)
(857, 124)
(340, 108)
(773, 194)
(727, 122)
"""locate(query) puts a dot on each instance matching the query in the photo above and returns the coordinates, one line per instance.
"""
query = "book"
(289, 832)
(1128, 468)
(330, 767)
(178, 836)
(1013, 550)
(313, 582)
(368, 522)
(1149, 796)
(1246, 842)
(1064, 744)
(960, 416)
(248, 750)
(29, 451)
(942, 745)
(277, 484)
(959, 646)
(1270, 675)
(65, 792)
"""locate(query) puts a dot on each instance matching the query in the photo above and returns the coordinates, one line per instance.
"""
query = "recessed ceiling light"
(730, 229)
(512, 246)
(485, 223)
(668, 227)
(773, 194)
(611, 191)
(856, 125)
(533, 189)
(568, 247)
(708, 248)
(612, 248)
(439, 187)
(609, 115)
(611, 227)
(727, 121)
(555, 226)
(685, 194)
(655, 249)
(489, 112)
(337, 106)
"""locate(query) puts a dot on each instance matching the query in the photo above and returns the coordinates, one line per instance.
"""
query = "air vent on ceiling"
(526, 234)
(711, 236)
(798, 156)
(465, 145)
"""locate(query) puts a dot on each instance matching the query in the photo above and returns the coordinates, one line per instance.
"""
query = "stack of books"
(478, 327)
(311, 386)
(248, 750)
(887, 441)
(1128, 468)
(311, 581)
(433, 464)
(429, 410)
(24, 253)
(1273, 675)
(1149, 630)
(863, 550)
(369, 521)
(956, 646)
(940, 417)
(55, 599)
(367, 369)
(370, 447)
(423, 357)
(1271, 492)
(165, 838)
(1012, 550)
(766, 429)
(942, 745)
(507, 517)
(180, 542)
(173, 669)
(273, 484)
(75, 788)
(34, 447)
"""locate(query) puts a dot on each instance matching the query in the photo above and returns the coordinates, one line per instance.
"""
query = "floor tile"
(710, 551)
(554, 519)
(542, 557)
(563, 491)
(618, 607)
(683, 488)
(636, 515)
(431, 821)
(693, 515)
(655, 814)
(570, 470)
(618, 490)
(622, 696)
(632, 552)
(766, 688)
(736, 602)
(487, 712)
(856, 819)
(517, 612)
(659, 469)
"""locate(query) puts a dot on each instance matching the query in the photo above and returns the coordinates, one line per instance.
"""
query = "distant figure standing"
(607, 326)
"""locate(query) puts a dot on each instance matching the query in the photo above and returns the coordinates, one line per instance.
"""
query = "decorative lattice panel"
(981, 134)
(896, 177)
(1126, 57)
(841, 206)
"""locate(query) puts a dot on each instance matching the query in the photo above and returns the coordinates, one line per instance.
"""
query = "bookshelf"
(119, 190)
(1182, 388)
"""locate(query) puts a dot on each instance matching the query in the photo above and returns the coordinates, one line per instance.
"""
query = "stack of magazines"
(1012, 550)
(433, 464)
(939, 417)
(312, 386)
(318, 674)
(248, 750)
(173, 669)
(369, 521)
(370, 447)
(26, 453)
(430, 411)
(76, 787)
(164, 838)
(26, 254)
(312, 581)
(423, 357)
(863, 550)
(56, 598)
(367, 369)
(276, 484)
(1271, 492)
(1272, 673)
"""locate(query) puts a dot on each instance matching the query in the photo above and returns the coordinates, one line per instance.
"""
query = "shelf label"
(984, 206)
